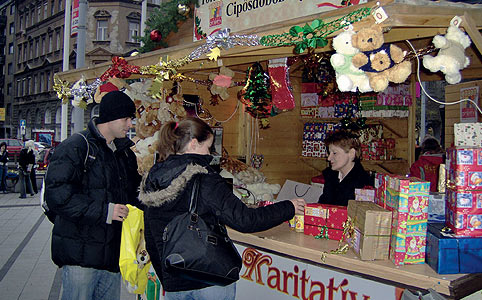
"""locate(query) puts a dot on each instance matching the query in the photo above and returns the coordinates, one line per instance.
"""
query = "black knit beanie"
(116, 105)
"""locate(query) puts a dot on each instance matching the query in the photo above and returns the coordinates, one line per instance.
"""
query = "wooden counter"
(280, 240)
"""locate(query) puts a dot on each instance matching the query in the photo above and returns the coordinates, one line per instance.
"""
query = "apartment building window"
(24, 81)
(52, 7)
(10, 69)
(12, 9)
(12, 28)
(31, 50)
(9, 89)
(41, 83)
(36, 48)
(57, 36)
(10, 48)
(43, 45)
(21, 23)
(48, 116)
(35, 84)
(51, 43)
(19, 54)
(27, 87)
(47, 81)
(32, 13)
(133, 31)
(60, 5)
(18, 88)
(102, 30)
(25, 52)
(46, 9)
(26, 19)
(39, 12)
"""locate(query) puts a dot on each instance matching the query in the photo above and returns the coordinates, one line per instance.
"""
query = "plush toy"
(451, 58)
(221, 82)
(112, 84)
(145, 151)
(381, 62)
(348, 77)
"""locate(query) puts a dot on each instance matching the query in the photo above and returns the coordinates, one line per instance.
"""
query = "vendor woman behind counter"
(345, 173)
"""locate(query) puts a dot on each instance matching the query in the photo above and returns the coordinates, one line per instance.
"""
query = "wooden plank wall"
(452, 112)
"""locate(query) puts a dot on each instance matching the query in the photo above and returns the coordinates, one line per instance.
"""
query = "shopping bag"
(292, 189)
(134, 260)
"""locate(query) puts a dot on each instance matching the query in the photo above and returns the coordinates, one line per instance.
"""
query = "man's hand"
(120, 212)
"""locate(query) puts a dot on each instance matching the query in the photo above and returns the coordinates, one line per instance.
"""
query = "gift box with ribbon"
(464, 191)
(372, 229)
(436, 207)
(468, 134)
(407, 197)
(449, 254)
(324, 220)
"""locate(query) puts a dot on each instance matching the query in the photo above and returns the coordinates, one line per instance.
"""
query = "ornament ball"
(156, 35)
(183, 9)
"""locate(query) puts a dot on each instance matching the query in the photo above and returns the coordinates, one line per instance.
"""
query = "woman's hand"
(299, 205)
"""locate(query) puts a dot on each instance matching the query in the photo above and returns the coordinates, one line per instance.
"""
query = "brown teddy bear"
(221, 82)
(112, 84)
(380, 62)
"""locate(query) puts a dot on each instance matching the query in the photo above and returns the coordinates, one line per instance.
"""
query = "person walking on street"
(3, 167)
(91, 177)
(26, 161)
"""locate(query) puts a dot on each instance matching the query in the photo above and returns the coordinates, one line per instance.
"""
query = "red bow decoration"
(119, 69)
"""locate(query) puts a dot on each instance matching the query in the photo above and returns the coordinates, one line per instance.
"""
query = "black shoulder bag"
(195, 251)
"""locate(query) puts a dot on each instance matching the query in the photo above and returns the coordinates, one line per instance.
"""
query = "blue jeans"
(210, 293)
(3, 177)
(80, 283)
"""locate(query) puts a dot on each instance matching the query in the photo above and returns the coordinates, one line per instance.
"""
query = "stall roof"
(408, 20)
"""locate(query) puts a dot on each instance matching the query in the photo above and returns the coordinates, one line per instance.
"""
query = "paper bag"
(292, 189)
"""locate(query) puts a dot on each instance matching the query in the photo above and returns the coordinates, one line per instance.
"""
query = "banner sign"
(468, 112)
(238, 15)
(75, 18)
(271, 277)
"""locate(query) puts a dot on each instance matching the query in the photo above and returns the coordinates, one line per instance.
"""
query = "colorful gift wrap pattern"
(381, 180)
(449, 254)
(367, 194)
(324, 220)
(314, 135)
(468, 134)
(408, 199)
(464, 191)
(392, 102)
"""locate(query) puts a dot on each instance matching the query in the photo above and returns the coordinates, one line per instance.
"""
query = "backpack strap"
(89, 155)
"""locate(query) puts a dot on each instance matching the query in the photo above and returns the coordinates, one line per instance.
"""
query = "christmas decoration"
(119, 69)
(62, 89)
(183, 9)
(155, 36)
(281, 95)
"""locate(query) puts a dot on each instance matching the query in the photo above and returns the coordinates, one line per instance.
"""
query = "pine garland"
(165, 18)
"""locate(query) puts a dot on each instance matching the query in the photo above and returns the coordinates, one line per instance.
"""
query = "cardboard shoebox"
(468, 134)
(372, 229)
(325, 220)
(464, 191)
(449, 254)
(407, 197)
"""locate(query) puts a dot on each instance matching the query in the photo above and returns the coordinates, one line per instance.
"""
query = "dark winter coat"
(338, 193)
(166, 194)
(25, 158)
(81, 200)
(4, 158)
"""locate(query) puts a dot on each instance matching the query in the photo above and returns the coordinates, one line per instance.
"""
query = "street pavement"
(26, 270)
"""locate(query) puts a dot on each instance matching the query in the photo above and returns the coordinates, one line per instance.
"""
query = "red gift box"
(320, 217)
(464, 168)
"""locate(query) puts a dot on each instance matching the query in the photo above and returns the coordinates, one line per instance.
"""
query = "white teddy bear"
(348, 77)
(451, 58)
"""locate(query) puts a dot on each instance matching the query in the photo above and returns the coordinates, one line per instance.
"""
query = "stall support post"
(65, 67)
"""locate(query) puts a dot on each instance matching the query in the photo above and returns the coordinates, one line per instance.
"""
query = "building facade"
(7, 50)
(37, 46)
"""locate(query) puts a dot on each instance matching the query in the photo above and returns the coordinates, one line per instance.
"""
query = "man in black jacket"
(90, 179)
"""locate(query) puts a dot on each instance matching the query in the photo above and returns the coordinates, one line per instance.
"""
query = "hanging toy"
(451, 58)
(221, 82)
(281, 94)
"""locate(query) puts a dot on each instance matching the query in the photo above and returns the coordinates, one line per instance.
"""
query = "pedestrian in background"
(26, 161)
(91, 177)
(3, 167)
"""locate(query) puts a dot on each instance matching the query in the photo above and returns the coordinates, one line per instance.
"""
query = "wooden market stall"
(281, 144)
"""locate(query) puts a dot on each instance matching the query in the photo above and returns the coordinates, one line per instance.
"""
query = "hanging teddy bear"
(221, 82)
(382, 63)
(348, 77)
(451, 58)
(112, 84)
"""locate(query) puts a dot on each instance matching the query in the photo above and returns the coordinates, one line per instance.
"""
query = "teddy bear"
(112, 84)
(382, 63)
(221, 82)
(451, 58)
(145, 150)
(348, 77)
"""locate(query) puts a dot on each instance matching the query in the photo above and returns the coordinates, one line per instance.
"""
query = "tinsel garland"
(62, 89)
(314, 35)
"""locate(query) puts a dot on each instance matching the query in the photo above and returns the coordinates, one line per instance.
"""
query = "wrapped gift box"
(448, 254)
(380, 187)
(464, 212)
(464, 168)
(407, 197)
(468, 134)
(436, 207)
(366, 194)
(325, 218)
(372, 229)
